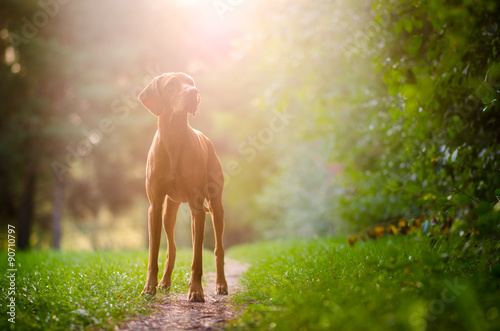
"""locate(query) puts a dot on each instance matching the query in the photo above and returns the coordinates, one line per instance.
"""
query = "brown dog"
(182, 167)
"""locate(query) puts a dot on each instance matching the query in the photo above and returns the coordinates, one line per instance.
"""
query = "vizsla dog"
(182, 167)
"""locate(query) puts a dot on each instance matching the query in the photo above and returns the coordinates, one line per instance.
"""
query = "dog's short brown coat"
(182, 166)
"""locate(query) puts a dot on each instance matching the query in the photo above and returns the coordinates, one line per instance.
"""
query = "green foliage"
(443, 100)
(84, 290)
(405, 100)
(401, 283)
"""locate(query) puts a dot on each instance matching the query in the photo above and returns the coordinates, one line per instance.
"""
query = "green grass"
(398, 283)
(84, 290)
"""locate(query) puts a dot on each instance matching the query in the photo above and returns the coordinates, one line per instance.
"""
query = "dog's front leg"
(154, 225)
(218, 223)
(169, 218)
(198, 232)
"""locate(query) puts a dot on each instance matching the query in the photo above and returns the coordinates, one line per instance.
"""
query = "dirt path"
(174, 312)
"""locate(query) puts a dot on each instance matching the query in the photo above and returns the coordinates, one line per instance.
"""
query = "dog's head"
(173, 92)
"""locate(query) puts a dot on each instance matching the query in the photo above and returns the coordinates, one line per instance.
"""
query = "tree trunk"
(56, 213)
(27, 207)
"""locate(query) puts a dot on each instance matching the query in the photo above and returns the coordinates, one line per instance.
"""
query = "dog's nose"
(190, 103)
(191, 91)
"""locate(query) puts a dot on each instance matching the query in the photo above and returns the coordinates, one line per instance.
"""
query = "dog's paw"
(196, 294)
(148, 293)
(221, 288)
(164, 285)
(196, 297)
(149, 290)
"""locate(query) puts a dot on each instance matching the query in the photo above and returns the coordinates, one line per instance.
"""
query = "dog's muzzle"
(190, 102)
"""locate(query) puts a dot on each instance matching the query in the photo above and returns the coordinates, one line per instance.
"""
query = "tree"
(28, 88)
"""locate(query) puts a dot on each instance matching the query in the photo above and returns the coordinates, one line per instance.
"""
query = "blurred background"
(328, 116)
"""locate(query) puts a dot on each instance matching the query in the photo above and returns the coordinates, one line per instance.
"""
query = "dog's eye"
(174, 81)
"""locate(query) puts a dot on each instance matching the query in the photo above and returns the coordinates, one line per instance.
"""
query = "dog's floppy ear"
(150, 97)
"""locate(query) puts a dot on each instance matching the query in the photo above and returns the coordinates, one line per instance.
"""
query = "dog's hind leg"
(169, 218)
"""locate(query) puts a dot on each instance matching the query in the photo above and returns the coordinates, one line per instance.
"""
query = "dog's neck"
(172, 126)
(174, 133)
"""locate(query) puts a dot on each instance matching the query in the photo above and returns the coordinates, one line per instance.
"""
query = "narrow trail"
(175, 312)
